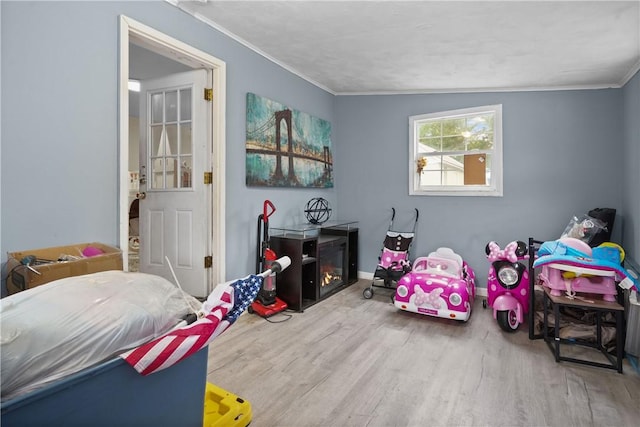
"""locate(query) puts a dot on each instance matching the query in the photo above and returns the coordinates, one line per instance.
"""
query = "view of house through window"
(457, 152)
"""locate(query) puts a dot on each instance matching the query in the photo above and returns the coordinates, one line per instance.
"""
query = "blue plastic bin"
(114, 394)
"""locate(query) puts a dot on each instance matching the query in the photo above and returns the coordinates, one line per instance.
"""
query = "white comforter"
(60, 328)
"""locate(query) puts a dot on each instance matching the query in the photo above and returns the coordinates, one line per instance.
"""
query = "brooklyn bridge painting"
(285, 147)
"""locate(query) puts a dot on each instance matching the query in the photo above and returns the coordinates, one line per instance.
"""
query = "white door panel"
(185, 237)
(155, 237)
(175, 152)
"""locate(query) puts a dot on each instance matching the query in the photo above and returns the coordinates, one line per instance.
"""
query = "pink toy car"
(440, 285)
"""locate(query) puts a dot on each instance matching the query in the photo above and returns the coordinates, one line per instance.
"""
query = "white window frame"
(493, 188)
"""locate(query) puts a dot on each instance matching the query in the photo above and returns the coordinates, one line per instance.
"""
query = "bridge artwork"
(285, 147)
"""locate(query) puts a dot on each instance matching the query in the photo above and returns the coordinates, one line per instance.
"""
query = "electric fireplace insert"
(331, 258)
(323, 261)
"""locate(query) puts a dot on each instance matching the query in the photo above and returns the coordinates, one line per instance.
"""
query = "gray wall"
(60, 115)
(59, 179)
(631, 167)
(562, 157)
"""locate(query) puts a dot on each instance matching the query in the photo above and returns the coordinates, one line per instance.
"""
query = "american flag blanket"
(223, 306)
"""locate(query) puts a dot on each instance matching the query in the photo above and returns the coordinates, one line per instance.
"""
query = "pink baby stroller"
(393, 262)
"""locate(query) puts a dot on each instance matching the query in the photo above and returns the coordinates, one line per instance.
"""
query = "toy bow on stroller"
(393, 262)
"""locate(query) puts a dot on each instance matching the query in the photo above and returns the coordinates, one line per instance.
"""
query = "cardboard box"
(57, 263)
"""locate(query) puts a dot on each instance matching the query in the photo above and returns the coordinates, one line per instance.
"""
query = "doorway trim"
(149, 38)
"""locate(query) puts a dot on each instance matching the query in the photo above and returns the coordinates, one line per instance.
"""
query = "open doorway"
(144, 64)
(148, 54)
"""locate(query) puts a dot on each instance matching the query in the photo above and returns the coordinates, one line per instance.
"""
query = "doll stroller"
(393, 262)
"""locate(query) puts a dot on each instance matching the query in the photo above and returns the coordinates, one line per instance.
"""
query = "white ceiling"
(350, 47)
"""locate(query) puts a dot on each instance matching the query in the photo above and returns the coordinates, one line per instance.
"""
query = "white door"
(175, 153)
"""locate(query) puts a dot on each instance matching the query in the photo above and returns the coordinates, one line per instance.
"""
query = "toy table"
(599, 307)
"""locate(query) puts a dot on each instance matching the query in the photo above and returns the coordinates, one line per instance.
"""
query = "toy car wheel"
(250, 310)
(508, 320)
(367, 293)
(484, 303)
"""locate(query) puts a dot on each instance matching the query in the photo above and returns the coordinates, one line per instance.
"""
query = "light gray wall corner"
(630, 165)
(64, 147)
(3, 256)
(565, 152)
(562, 155)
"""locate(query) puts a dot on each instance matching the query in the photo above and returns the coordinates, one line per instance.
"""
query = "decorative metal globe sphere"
(317, 210)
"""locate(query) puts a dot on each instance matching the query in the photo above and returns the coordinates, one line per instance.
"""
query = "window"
(456, 153)
(170, 132)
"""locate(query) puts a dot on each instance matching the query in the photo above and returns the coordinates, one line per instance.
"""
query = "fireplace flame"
(329, 278)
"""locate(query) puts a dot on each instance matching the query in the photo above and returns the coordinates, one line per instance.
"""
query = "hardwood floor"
(348, 361)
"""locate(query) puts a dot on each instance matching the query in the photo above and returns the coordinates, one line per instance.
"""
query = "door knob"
(141, 196)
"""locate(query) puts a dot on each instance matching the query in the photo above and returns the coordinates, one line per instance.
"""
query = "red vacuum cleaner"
(267, 303)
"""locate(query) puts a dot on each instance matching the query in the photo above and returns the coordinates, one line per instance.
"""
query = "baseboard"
(365, 275)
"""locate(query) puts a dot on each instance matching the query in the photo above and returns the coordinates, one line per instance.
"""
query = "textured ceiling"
(437, 46)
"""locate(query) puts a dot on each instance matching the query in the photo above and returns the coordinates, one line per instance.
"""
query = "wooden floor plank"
(349, 361)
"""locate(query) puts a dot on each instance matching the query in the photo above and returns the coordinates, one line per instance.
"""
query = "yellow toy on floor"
(224, 409)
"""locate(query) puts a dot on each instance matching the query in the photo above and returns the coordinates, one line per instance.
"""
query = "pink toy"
(440, 285)
(508, 284)
(552, 276)
(566, 277)
(90, 251)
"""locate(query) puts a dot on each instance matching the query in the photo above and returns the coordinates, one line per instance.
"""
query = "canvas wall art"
(285, 147)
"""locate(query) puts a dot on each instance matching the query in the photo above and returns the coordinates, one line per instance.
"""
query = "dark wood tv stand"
(299, 285)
